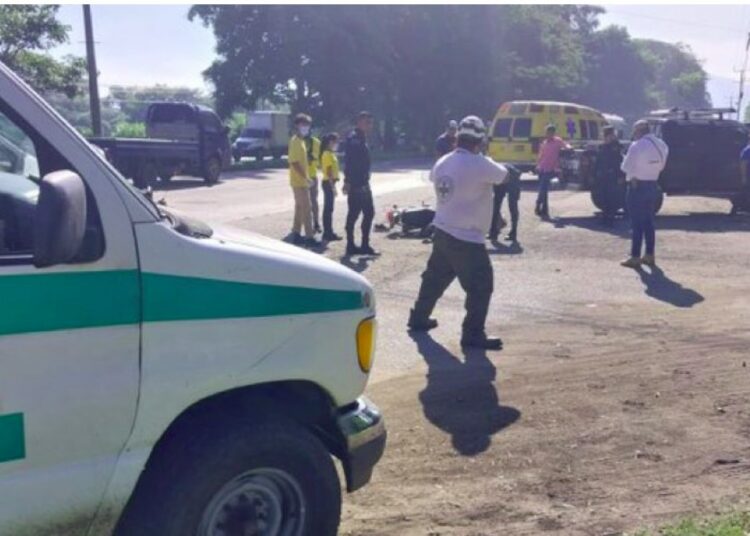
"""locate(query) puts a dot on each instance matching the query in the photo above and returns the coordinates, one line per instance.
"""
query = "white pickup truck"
(159, 377)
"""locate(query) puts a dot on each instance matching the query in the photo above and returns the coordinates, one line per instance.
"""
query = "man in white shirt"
(642, 165)
(463, 182)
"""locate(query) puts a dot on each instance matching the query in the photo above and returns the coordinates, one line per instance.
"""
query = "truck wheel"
(212, 171)
(272, 478)
(259, 156)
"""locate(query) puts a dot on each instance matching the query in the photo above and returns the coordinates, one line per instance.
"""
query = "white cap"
(473, 127)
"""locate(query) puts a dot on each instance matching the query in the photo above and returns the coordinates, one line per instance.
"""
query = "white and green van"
(158, 377)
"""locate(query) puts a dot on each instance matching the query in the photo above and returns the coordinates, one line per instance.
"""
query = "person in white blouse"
(642, 165)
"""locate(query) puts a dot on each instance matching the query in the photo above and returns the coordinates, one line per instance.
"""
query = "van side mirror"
(60, 218)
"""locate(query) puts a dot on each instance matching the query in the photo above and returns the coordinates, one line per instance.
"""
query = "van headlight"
(366, 343)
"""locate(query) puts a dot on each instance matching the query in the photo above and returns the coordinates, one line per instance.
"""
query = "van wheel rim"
(261, 502)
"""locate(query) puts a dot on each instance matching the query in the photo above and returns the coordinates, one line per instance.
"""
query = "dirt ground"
(620, 401)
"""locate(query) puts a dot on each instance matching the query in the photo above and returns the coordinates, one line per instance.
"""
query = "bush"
(129, 130)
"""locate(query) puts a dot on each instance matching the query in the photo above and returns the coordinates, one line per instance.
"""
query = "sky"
(150, 44)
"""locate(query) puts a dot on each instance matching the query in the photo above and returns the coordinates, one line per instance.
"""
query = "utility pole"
(96, 116)
(742, 80)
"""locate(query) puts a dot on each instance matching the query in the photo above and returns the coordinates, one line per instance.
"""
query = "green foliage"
(236, 123)
(132, 101)
(26, 32)
(417, 66)
(735, 524)
(77, 112)
(126, 129)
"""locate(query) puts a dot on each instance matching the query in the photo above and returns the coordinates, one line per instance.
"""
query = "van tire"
(175, 498)
(213, 170)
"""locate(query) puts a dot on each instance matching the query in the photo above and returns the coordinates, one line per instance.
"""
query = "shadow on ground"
(461, 396)
(662, 288)
(358, 263)
(702, 222)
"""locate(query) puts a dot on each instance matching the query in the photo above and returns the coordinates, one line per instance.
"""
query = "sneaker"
(311, 243)
(331, 237)
(648, 260)
(297, 239)
(632, 262)
(421, 324)
(483, 342)
(367, 250)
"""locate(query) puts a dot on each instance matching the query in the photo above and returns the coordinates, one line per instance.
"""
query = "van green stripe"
(73, 300)
(168, 297)
(68, 300)
(12, 440)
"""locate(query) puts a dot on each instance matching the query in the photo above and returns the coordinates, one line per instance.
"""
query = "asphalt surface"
(608, 385)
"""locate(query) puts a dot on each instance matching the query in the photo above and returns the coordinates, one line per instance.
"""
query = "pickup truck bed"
(145, 159)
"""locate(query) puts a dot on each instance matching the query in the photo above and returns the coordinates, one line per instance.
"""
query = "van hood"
(317, 264)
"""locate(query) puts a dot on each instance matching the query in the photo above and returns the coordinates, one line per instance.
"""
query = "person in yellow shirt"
(299, 179)
(329, 163)
(312, 144)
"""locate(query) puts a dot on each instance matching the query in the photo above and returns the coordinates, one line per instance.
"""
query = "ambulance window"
(593, 130)
(571, 110)
(522, 128)
(502, 128)
(26, 157)
(535, 108)
(584, 129)
(517, 109)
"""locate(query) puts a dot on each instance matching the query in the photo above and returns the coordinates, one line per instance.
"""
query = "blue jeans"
(641, 202)
(542, 199)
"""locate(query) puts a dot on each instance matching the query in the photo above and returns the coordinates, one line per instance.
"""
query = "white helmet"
(473, 127)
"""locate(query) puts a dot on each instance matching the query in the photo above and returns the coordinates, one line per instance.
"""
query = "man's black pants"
(468, 261)
(513, 192)
(328, 200)
(360, 202)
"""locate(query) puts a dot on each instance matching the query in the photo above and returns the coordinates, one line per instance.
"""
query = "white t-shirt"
(463, 187)
(645, 159)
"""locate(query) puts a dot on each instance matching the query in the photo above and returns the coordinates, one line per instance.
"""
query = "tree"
(679, 77)
(26, 33)
(618, 78)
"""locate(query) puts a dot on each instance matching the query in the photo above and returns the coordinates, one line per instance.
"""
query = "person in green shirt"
(329, 163)
(299, 180)
(312, 144)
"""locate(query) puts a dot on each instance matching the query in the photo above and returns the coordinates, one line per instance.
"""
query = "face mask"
(304, 131)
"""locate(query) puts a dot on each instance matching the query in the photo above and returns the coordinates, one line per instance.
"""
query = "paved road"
(601, 413)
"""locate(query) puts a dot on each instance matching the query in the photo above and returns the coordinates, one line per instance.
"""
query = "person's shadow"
(662, 288)
(461, 397)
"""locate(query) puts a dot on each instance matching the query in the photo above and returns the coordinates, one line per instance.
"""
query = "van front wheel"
(273, 478)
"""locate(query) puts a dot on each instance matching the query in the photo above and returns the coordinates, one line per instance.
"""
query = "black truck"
(182, 139)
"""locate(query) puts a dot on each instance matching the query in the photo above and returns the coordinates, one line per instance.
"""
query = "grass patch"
(734, 524)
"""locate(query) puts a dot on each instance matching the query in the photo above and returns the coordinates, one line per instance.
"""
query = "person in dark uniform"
(511, 188)
(446, 142)
(609, 180)
(357, 185)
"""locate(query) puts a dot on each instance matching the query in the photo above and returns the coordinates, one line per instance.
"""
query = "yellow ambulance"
(519, 126)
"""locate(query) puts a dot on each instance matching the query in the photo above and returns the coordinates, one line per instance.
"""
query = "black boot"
(419, 323)
(482, 341)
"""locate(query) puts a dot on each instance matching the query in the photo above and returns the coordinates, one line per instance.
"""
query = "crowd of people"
(470, 189)
(307, 155)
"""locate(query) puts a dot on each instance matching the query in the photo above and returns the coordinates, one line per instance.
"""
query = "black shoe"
(421, 324)
(311, 243)
(492, 237)
(316, 229)
(297, 239)
(367, 250)
(351, 249)
(483, 342)
(511, 237)
(331, 237)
